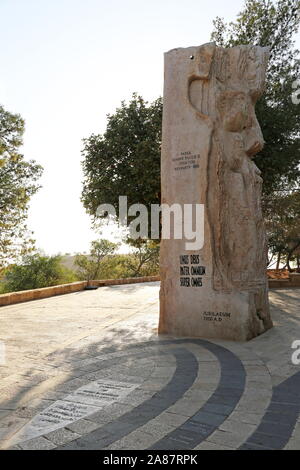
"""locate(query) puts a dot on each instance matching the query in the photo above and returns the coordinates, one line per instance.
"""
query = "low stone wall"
(34, 294)
(129, 280)
(293, 281)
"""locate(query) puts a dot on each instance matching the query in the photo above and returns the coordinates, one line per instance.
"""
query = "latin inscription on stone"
(216, 316)
(191, 271)
(77, 405)
(186, 161)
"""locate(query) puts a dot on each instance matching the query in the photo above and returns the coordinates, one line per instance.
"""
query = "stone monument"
(210, 135)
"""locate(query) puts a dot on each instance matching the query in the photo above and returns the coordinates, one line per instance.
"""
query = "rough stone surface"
(210, 135)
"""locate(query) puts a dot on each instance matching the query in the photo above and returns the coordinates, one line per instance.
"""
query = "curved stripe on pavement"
(277, 424)
(217, 408)
(183, 378)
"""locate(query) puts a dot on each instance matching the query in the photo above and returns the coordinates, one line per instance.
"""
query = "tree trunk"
(278, 260)
(290, 256)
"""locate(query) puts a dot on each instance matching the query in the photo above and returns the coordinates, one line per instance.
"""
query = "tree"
(11, 132)
(272, 23)
(145, 255)
(18, 183)
(282, 213)
(114, 267)
(125, 160)
(37, 271)
(89, 266)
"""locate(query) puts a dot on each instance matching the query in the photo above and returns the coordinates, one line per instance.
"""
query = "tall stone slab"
(210, 135)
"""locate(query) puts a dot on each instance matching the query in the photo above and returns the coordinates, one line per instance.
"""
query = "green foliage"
(282, 212)
(145, 259)
(37, 271)
(113, 267)
(105, 264)
(11, 134)
(126, 159)
(18, 183)
(2, 281)
(129, 265)
(89, 266)
(272, 23)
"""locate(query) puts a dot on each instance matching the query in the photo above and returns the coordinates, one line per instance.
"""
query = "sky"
(66, 64)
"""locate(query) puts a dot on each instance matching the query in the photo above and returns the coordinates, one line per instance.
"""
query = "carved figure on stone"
(222, 88)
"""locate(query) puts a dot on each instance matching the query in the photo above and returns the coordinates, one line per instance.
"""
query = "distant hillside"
(69, 261)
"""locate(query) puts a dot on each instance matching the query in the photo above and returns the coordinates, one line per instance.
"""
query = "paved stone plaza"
(88, 371)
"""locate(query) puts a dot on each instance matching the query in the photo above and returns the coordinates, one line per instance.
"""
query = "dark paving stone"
(171, 392)
(282, 430)
(139, 418)
(198, 428)
(267, 441)
(148, 409)
(284, 404)
(285, 397)
(221, 399)
(182, 440)
(184, 436)
(103, 440)
(283, 408)
(119, 426)
(162, 402)
(227, 380)
(219, 409)
(279, 418)
(250, 446)
(229, 391)
(172, 444)
(235, 385)
(208, 418)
